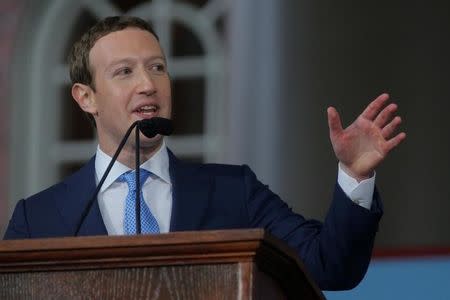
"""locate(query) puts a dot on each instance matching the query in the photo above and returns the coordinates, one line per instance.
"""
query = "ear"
(84, 96)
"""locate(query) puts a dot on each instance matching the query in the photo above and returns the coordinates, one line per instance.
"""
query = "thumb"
(334, 121)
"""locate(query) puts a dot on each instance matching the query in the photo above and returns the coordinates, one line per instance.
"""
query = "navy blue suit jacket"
(210, 196)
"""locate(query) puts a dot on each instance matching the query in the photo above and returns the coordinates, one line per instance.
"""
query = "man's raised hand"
(365, 143)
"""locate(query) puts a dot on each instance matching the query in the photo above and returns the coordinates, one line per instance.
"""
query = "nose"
(146, 84)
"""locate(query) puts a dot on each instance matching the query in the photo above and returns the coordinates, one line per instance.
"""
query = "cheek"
(166, 90)
(118, 95)
(114, 106)
(164, 83)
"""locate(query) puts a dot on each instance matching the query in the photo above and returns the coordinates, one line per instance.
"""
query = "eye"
(158, 68)
(123, 71)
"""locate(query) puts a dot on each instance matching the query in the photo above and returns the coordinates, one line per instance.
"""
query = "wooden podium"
(225, 264)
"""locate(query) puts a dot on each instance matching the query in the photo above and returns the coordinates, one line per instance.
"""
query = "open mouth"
(147, 110)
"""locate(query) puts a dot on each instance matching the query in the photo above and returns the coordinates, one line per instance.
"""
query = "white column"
(254, 73)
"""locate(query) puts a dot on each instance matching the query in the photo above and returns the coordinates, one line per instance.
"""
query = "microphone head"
(156, 125)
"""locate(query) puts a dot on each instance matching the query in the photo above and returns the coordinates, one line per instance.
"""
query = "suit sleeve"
(336, 252)
(18, 225)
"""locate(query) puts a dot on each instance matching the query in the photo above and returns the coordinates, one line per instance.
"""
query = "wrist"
(358, 176)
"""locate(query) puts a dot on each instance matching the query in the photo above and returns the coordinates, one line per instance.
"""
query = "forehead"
(129, 43)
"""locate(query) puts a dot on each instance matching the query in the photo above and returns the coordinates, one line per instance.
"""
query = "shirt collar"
(158, 165)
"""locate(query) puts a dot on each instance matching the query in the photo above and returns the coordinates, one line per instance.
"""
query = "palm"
(365, 143)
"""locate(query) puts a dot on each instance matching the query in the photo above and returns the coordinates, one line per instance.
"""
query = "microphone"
(148, 127)
(156, 125)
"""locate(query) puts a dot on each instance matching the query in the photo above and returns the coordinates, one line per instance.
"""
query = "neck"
(128, 154)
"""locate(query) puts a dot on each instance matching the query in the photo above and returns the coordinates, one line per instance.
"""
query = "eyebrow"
(132, 60)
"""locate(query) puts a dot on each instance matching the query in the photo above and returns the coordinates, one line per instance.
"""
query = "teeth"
(147, 109)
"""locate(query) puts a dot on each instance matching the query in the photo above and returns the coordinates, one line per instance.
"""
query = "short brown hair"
(80, 71)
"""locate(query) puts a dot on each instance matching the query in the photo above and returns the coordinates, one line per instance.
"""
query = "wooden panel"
(182, 282)
(245, 280)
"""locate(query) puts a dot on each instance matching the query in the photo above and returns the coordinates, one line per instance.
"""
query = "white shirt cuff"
(360, 193)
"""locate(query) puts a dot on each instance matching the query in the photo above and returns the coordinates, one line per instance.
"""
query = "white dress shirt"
(361, 193)
(157, 190)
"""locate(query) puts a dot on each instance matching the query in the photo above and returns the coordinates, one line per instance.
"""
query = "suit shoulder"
(48, 193)
(210, 169)
(223, 169)
(59, 188)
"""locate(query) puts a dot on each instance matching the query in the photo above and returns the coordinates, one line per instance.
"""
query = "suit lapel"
(190, 194)
(79, 189)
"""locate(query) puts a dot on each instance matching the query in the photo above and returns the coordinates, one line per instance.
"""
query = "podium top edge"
(172, 238)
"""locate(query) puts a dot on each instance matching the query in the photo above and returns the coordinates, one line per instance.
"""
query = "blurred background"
(252, 81)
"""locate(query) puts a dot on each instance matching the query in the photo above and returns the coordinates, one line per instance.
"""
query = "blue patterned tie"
(148, 221)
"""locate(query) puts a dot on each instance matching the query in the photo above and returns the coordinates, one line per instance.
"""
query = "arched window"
(52, 138)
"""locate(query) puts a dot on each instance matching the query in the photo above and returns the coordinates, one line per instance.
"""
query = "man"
(119, 75)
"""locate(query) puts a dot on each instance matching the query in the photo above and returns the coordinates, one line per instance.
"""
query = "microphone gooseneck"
(148, 127)
(137, 205)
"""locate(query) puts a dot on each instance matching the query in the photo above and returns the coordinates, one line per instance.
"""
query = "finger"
(395, 141)
(389, 129)
(375, 106)
(385, 115)
(334, 121)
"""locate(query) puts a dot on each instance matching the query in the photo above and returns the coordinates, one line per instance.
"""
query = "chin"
(153, 142)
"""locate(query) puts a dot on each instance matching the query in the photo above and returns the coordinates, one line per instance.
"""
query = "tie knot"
(130, 178)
